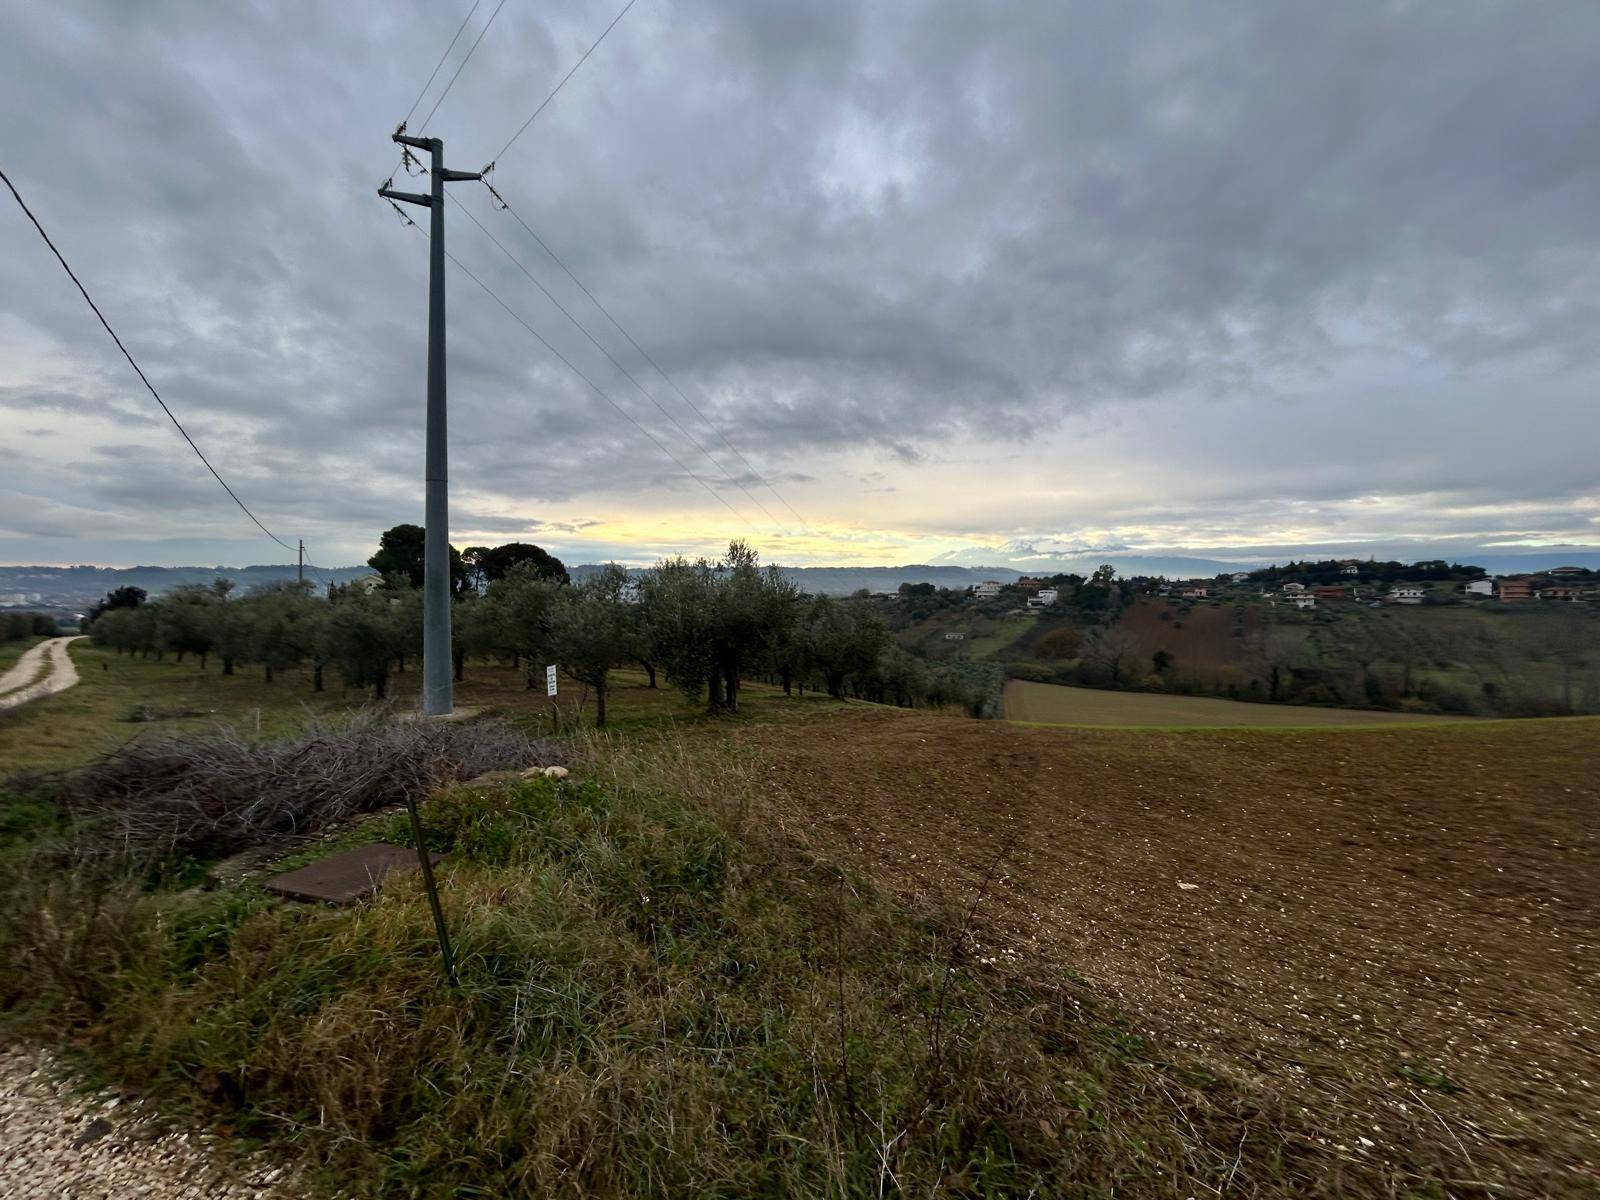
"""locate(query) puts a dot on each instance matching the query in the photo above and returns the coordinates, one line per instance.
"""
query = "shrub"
(219, 793)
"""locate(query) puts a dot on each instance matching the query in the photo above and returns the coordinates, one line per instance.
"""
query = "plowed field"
(1398, 929)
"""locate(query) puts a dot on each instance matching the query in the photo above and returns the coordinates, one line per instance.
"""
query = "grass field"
(1054, 704)
(830, 948)
(94, 717)
(13, 650)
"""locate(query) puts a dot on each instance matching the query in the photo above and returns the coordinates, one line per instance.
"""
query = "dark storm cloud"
(903, 230)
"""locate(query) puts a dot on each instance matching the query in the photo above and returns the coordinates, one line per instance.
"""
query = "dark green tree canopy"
(122, 597)
(489, 564)
(401, 551)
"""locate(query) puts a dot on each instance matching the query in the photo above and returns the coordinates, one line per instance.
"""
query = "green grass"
(656, 998)
(83, 722)
(989, 645)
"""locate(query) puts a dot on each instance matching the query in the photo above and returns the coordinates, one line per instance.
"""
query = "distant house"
(1303, 601)
(1560, 593)
(1479, 587)
(1565, 572)
(1293, 589)
(1513, 589)
(367, 583)
(955, 637)
(987, 590)
(1194, 593)
(1330, 592)
(1029, 584)
(1350, 567)
(1406, 593)
(1043, 598)
(1240, 577)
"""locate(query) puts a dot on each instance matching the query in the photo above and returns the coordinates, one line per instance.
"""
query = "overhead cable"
(143, 378)
(597, 389)
(693, 441)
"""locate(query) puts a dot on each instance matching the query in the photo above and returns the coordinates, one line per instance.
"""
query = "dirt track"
(1400, 929)
(58, 673)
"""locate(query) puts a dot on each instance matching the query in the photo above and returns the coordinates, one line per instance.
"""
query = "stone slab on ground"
(346, 877)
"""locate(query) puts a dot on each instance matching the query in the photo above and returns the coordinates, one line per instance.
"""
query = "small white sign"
(550, 680)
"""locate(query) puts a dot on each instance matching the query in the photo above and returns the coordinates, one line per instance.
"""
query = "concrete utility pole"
(437, 693)
(300, 563)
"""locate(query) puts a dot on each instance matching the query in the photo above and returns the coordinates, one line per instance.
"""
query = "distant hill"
(76, 588)
(71, 589)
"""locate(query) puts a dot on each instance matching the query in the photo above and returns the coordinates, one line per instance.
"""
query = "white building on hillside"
(1479, 587)
(987, 590)
(1406, 593)
(1303, 600)
(1043, 598)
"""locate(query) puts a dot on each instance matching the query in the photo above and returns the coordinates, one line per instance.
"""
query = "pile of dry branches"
(219, 793)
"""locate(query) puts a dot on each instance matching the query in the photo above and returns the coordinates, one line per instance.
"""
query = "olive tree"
(588, 625)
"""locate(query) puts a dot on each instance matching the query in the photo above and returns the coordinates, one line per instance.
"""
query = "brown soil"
(1398, 930)
(1201, 640)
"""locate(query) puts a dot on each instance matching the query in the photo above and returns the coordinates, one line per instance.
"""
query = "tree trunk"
(381, 689)
(600, 704)
(268, 667)
(180, 656)
(784, 675)
(835, 685)
(203, 657)
(400, 659)
(227, 665)
(316, 678)
(461, 664)
(649, 670)
(731, 680)
(714, 691)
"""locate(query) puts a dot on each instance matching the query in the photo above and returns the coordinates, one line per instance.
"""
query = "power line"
(672, 383)
(693, 441)
(564, 79)
(463, 65)
(600, 391)
(18, 197)
(405, 155)
(459, 31)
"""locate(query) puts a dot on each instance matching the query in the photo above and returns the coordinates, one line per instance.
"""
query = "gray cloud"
(1264, 260)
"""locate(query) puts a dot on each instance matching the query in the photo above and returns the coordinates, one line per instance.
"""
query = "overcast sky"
(949, 275)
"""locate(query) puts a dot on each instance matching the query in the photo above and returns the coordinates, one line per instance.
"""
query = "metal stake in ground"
(425, 859)
(437, 687)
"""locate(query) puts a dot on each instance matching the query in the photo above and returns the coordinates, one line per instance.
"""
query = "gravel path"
(60, 673)
(59, 1144)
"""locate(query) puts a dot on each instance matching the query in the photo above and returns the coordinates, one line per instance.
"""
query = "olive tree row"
(705, 626)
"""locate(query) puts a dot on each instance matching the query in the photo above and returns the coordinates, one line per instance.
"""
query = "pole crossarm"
(407, 197)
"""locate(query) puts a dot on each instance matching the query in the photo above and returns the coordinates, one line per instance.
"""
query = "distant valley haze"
(1015, 286)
